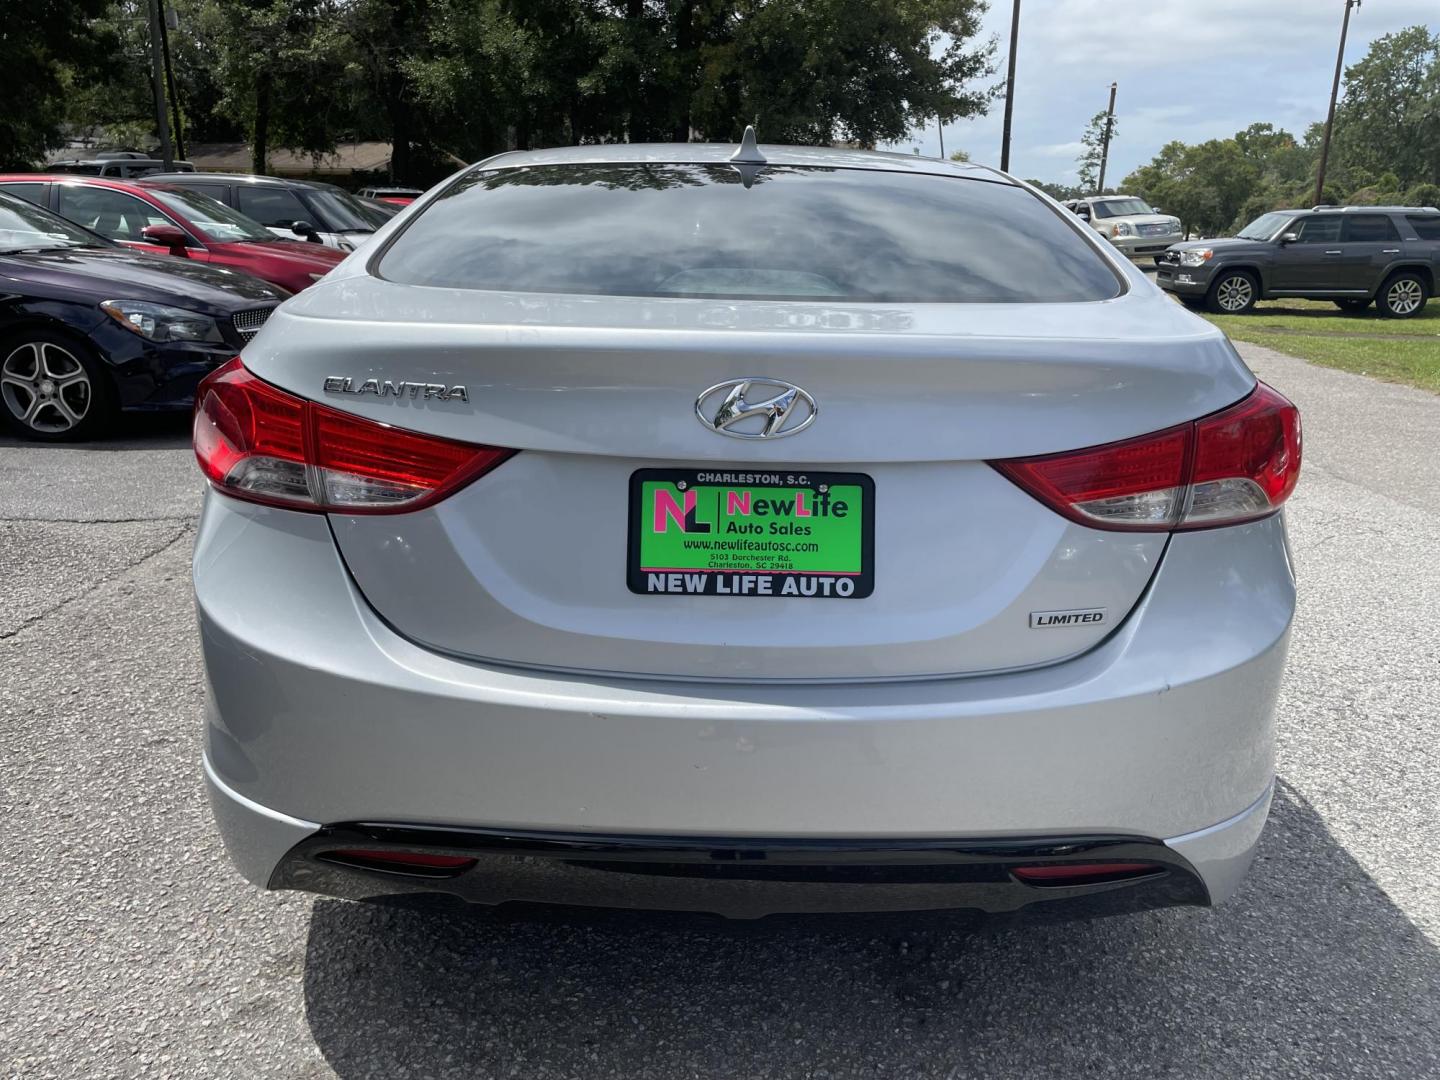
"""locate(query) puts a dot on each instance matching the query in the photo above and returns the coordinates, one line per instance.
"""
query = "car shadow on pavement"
(139, 431)
(1311, 971)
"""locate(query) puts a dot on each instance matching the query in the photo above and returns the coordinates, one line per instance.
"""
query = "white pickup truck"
(1129, 223)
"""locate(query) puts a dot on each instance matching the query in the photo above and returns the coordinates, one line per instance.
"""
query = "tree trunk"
(522, 128)
(400, 127)
(260, 138)
(175, 129)
(685, 48)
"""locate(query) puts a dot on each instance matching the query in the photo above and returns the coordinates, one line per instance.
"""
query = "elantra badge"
(343, 384)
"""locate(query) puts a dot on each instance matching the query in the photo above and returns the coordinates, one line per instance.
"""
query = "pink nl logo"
(668, 509)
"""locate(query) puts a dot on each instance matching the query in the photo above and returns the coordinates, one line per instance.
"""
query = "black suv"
(1353, 255)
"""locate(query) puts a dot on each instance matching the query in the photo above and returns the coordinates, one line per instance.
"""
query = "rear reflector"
(1233, 466)
(1082, 873)
(412, 861)
(256, 442)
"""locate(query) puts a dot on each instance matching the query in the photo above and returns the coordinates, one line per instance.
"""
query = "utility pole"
(1334, 93)
(1105, 140)
(941, 125)
(157, 78)
(1010, 88)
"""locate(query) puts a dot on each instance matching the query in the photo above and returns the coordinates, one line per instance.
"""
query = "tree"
(278, 66)
(1060, 192)
(809, 71)
(446, 79)
(1093, 141)
(43, 45)
(864, 71)
(1205, 186)
(1389, 119)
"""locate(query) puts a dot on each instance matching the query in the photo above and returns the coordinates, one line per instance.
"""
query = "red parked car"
(163, 219)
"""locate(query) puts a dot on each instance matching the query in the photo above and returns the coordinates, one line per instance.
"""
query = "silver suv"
(1131, 224)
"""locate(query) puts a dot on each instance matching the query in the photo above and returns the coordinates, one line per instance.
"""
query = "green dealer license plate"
(752, 532)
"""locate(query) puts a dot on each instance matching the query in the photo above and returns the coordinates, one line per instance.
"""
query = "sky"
(1187, 69)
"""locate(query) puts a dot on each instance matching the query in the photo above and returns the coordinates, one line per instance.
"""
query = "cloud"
(1187, 69)
(1064, 149)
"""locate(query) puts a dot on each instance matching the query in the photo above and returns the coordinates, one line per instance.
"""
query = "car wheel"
(1352, 305)
(1403, 296)
(52, 388)
(1233, 293)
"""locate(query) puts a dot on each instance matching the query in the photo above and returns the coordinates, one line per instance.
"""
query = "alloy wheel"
(1405, 296)
(1234, 293)
(45, 387)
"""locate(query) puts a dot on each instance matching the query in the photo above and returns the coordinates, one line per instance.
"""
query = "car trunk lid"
(534, 563)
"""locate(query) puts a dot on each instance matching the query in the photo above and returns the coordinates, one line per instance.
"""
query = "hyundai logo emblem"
(756, 409)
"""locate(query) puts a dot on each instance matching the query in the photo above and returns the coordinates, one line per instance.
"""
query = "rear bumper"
(320, 714)
(745, 879)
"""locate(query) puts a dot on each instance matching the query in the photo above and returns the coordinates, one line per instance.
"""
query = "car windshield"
(1264, 227)
(339, 211)
(25, 227)
(722, 231)
(1121, 207)
(214, 221)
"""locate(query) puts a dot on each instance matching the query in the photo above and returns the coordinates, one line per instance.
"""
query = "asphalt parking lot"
(129, 948)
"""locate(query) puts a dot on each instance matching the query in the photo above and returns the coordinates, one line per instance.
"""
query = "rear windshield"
(689, 230)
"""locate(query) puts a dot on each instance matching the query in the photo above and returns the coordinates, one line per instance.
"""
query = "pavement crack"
(39, 617)
(99, 521)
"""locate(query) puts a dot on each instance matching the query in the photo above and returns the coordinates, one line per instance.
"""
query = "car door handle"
(1337, 251)
(1390, 251)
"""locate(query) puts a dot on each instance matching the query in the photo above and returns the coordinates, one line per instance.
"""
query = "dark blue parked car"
(89, 328)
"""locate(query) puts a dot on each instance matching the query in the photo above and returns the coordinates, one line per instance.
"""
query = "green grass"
(1415, 363)
(1324, 316)
(1343, 340)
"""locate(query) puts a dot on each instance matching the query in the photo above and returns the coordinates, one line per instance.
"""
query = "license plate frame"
(847, 544)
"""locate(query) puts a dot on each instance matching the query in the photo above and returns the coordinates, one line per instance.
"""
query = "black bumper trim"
(743, 878)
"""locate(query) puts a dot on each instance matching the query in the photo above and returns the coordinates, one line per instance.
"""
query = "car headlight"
(1174, 224)
(156, 322)
(1121, 229)
(1196, 258)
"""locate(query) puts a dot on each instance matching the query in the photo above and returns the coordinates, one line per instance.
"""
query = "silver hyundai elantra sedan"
(743, 531)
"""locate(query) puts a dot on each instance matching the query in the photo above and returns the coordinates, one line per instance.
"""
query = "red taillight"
(256, 442)
(1235, 465)
(1082, 873)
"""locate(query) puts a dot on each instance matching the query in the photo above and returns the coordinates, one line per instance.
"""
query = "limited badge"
(1076, 617)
